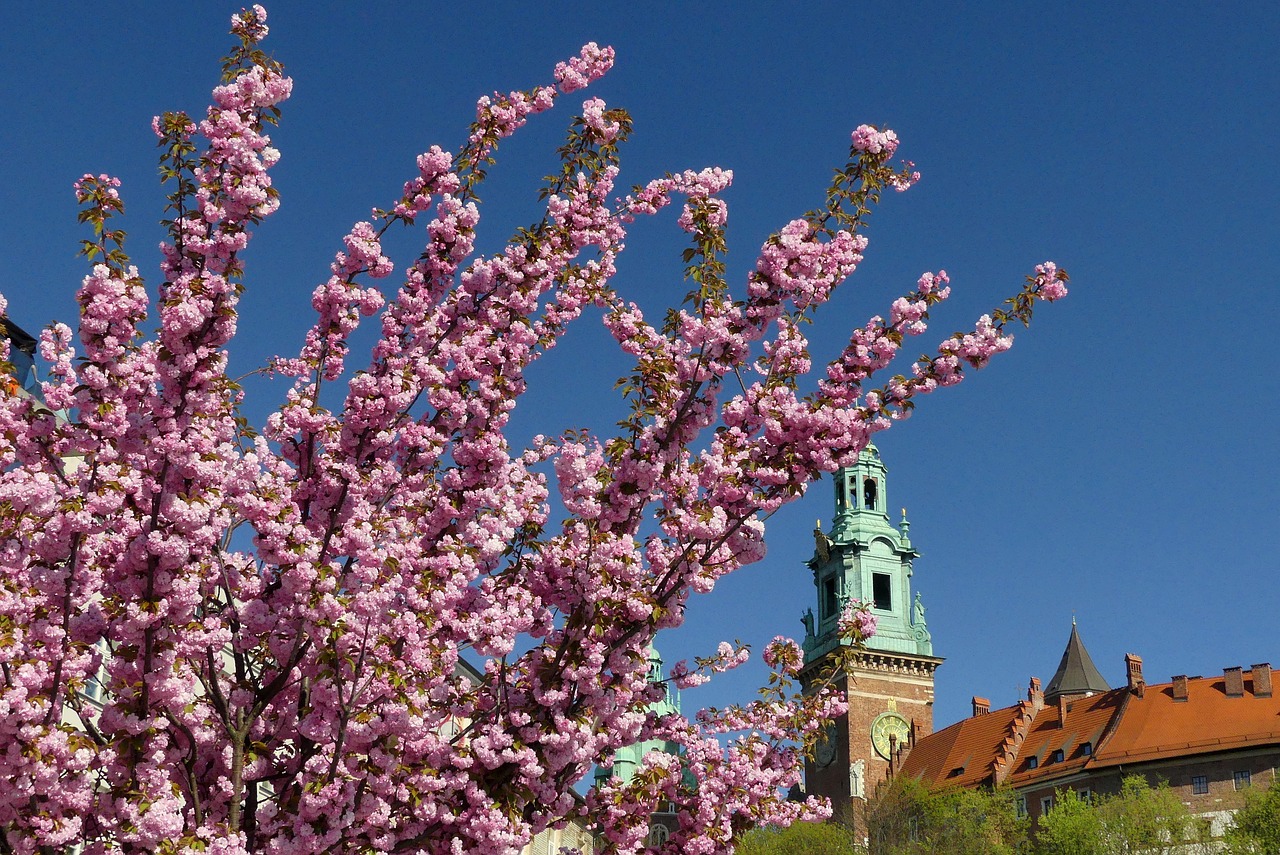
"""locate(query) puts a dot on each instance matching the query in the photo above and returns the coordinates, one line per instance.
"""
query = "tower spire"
(1076, 676)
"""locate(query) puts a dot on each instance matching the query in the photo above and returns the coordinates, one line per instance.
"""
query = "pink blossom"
(869, 139)
(384, 622)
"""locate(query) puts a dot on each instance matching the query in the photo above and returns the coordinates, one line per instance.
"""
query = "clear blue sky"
(1119, 463)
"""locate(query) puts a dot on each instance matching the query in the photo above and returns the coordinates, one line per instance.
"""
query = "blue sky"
(1120, 463)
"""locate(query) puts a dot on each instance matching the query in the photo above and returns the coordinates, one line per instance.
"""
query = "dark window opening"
(1033, 762)
(1200, 785)
(881, 586)
(841, 501)
(1057, 756)
(829, 597)
(869, 494)
(1087, 749)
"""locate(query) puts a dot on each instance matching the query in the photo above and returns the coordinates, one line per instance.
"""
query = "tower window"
(842, 500)
(881, 588)
(869, 493)
(829, 597)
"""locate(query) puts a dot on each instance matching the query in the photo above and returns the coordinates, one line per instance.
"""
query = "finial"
(905, 525)
(1073, 618)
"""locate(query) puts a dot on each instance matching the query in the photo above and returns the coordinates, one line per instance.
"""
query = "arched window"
(658, 834)
(869, 493)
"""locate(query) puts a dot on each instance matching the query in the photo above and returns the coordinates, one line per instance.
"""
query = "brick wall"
(1219, 770)
(878, 683)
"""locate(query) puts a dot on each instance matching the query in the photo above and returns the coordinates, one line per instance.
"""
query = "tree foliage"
(1139, 818)
(801, 838)
(1255, 828)
(905, 817)
(222, 638)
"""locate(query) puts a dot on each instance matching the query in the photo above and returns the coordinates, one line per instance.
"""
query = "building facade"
(863, 557)
(1210, 738)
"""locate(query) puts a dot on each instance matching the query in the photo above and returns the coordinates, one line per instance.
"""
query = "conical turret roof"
(1076, 674)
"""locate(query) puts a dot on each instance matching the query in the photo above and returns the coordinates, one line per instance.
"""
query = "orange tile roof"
(969, 745)
(1156, 726)
(975, 744)
(1119, 726)
(1087, 721)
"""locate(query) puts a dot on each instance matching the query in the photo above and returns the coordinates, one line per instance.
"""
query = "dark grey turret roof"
(1076, 674)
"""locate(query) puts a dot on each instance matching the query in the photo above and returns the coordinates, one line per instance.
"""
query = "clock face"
(886, 725)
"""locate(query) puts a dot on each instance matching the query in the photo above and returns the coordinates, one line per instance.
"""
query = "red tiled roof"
(968, 746)
(1087, 721)
(1119, 726)
(1156, 726)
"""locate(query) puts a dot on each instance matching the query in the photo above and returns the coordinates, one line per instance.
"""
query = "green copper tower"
(866, 558)
(862, 556)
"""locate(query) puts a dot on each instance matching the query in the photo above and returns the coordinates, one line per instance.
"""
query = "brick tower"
(890, 686)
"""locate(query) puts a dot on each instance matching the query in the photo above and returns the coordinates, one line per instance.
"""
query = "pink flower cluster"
(872, 141)
(593, 114)
(582, 70)
(216, 640)
(857, 623)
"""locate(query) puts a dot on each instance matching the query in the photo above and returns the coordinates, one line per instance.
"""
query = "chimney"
(1133, 665)
(1062, 710)
(1262, 680)
(1035, 695)
(1234, 680)
(1180, 687)
(982, 706)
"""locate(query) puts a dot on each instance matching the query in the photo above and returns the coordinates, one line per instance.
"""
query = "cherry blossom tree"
(364, 628)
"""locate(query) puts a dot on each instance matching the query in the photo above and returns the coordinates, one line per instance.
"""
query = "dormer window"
(1033, 761)
(869, 493)
(1057, 756)
(1087, 749)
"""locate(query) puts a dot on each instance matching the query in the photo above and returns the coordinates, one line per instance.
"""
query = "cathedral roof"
(1076, 674)
(1055, 742)
(1186, 718)
(1199, 717)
